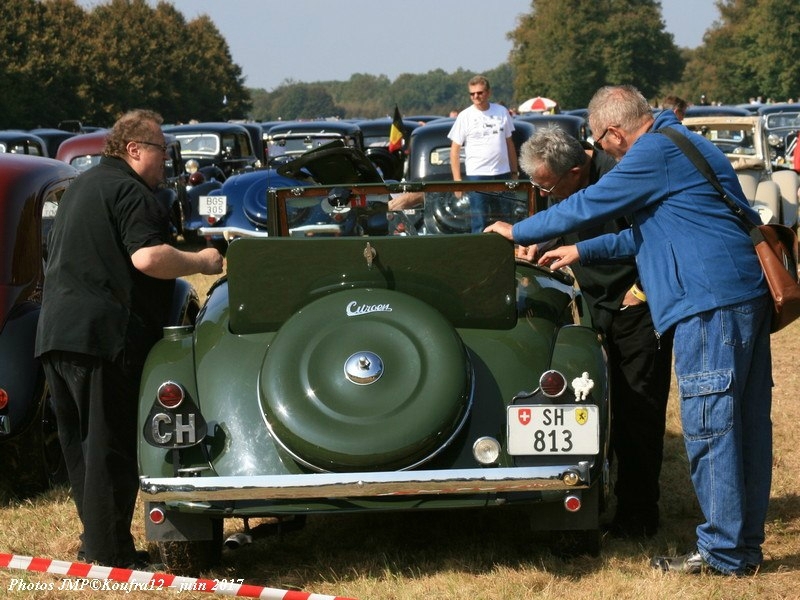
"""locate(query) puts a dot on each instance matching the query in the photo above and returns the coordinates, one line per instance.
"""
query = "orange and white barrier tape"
(85, 576)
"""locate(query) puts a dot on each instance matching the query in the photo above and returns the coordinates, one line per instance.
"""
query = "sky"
(274, 41)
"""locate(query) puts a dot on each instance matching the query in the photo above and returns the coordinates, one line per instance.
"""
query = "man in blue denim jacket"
(702, 278)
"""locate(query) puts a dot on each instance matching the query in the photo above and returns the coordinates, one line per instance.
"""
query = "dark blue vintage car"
(30, 190)
(240, 203)
(343, 366)
(429, 149)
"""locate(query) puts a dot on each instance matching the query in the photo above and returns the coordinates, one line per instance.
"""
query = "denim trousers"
(724, 371)
(486, 208)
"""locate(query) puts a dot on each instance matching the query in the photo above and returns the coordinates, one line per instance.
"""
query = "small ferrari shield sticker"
(524, 415)
(581, 416)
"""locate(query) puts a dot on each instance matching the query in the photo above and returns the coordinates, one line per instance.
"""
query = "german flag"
(396, 132)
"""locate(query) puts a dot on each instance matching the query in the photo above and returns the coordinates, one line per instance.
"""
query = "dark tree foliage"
(20, 63)
(750, 52)
(300, 101)
(566, 50)
(367, 96)
(59, 61)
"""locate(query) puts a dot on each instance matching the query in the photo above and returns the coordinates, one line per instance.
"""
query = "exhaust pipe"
(250, 534)
(237, 540)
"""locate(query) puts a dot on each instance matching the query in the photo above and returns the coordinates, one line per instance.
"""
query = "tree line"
(59, 61)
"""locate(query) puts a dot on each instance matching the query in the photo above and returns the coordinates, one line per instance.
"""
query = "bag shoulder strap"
(700, 162)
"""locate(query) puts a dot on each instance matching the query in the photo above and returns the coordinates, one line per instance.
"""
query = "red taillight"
(572, 503)
(170, 394)
(552, 384)
(3, 398)
(211, 220)
(157, 515)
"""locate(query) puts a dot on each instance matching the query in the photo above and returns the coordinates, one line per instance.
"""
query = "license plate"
(553, 429)
(215, 206)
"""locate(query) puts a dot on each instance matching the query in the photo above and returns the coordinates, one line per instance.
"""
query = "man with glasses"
(108, 288)
(640, 363)
(703, 282)
(484, 131)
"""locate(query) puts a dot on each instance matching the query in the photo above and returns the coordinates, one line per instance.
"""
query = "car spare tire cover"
(367, 379)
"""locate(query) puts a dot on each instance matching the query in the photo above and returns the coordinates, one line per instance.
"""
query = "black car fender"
(19, 369)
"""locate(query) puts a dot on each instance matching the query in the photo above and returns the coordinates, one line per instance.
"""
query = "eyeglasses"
(162, 147)
(597, 143)
(549, 190)
(480, 93)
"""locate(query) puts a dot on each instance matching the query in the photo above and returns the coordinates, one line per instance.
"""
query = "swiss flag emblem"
(524, 415)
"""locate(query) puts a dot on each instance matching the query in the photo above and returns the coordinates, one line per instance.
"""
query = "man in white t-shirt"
(484, 131)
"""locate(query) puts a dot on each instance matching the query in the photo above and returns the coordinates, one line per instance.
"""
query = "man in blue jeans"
(703, 279)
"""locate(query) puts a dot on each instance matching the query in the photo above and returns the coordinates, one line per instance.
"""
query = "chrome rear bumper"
(352, 485)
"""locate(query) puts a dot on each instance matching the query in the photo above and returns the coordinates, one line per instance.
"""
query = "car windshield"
(731, 140)
(787, 119)
(441, 156)
(82, 163)
(291, 145)
(422, 209)
(199, 143)
(20, 148)
(376, 141)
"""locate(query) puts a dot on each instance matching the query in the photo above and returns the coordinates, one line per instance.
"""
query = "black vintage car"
(288, 140)
(782, 127)
(30, 190)
(376, 145)
(22, 142)
(224, 147)
(52, 138)
(573, 124)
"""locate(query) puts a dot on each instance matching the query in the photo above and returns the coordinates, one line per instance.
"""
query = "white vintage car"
(773, 192)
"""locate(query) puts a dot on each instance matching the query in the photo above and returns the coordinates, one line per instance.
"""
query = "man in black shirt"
(639, 362)
(108, 286)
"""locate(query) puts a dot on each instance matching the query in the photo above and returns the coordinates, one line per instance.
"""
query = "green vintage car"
(349, 363)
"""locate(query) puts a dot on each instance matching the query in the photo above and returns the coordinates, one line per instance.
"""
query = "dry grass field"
(469, 555)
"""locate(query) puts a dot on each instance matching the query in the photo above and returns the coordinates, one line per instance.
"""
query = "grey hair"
(552, 147)
(619, 105)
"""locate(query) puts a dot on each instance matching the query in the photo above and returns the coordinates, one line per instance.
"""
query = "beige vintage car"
(774, 193)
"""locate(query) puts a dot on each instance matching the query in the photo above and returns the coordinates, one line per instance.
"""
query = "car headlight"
(773, 139)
